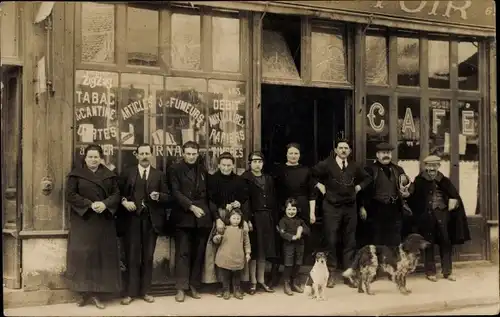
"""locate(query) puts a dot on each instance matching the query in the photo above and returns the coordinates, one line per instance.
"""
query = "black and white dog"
(318, 276)
(371, 259)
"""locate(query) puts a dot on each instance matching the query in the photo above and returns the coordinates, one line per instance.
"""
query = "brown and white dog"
(318, 277)
(371, 259)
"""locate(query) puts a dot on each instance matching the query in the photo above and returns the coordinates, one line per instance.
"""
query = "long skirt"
(263, 237)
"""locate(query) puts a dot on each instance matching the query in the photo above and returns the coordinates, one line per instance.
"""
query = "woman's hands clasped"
(98, 206)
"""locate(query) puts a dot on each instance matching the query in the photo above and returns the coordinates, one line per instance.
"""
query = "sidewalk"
(474, 286)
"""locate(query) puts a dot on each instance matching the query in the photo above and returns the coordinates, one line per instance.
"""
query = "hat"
(432, 159)
(384, 146)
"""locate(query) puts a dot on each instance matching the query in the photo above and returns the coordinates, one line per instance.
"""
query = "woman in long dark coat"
(293, 180)
(93, 262)
(261, 213)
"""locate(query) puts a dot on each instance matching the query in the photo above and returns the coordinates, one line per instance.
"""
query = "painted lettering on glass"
(377, 108)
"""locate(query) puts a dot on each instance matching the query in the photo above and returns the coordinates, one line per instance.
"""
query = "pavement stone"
(475, 286)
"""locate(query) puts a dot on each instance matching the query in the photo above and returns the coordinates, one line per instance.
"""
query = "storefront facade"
(418, 74)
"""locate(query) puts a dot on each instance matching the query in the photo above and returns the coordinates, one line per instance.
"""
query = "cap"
(384, 146)
(432, 159)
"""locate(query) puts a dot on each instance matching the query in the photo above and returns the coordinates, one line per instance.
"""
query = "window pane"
(186, 41)
(409, 135)
(328, 55)
(140, 100)
(469, 155)
(142, 36)
(98, 32)
(439, 64)
(439, 134)
(408, 62)
(96, 116)
(468, 66)
(277, 58)
(226, 44)
(226, 122)
(377, 123)
(376, 69)
(9, 23)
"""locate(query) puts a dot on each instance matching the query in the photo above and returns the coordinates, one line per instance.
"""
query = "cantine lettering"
(95, 111)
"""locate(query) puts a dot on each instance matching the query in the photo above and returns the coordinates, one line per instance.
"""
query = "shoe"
(266, 288)
(350, 284)
(82, 300)
(237, 293)
(331, 281)
(297, 288)
(226, 295)
(450, 277)
(287, 289)
(148, 298)
(97, 302)
(219, 292)
(194, 293)
(432, 278)
(180, 296)
(252, 289)
(126, 300)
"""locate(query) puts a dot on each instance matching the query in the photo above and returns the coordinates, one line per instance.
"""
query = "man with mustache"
(145, 193)
(340, 180)
(384, 200)
(438, 215)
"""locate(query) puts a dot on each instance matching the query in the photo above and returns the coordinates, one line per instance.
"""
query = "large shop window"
(98, 32)
(329, 54)
(439, 132)
(409, 135)
(142, 36)
(408, 61)
(377, 60)
(439, 64)
(468, 144)
(145, 109)
(186, 41)
(468, 53)
(377, 123)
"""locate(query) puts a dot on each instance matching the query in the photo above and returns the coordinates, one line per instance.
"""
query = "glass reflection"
(98, 32)
(226, 44)
(439, 64)
(408, 61)
(376, 52)
(328, 55)
(186, 41)
(142, 36)
(468, 65)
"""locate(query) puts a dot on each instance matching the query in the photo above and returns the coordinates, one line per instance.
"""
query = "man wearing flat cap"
(438, 215)
(384, 200)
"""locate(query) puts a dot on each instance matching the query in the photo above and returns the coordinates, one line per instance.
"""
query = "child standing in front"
(292, 229)
(232, 254)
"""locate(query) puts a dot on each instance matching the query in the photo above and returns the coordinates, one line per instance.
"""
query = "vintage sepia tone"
(264, 95)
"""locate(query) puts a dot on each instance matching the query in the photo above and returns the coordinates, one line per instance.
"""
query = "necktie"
(343, 164)
(145, 182)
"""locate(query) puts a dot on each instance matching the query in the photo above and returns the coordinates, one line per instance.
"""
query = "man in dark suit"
(145, 194)
(193, 219)
(339, 181)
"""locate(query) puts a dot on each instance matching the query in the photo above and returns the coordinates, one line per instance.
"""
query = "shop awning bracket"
(370, 21)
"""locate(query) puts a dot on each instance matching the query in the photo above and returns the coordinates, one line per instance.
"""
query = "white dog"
(318, 277)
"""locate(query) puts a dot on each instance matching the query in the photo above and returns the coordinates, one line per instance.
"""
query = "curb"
(431, 307)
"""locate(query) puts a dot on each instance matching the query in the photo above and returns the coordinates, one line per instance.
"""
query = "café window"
(439, 64)
(142, 36)
(226, 43)
(468, 147)
(98, 32)
(409, 135)
(377, 59)
(408, 61)
(377, 123)
(439, 132)
(329, 54)
(468, 53)
(186, 41)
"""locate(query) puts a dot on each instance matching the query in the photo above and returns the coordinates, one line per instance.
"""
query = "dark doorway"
(312, 117)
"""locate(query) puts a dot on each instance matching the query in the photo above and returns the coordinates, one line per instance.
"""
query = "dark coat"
(374, 169)
(421, 194)
(224, 189)
(93, 262)
(189, 187)
(156, 181)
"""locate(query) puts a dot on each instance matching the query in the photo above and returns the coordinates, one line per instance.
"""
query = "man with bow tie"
(340, 180)
(145, 194)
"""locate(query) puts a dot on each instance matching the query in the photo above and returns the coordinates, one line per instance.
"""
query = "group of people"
(227, 227)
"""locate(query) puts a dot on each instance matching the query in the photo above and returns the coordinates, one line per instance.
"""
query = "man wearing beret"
(384, 200)
(438, 215)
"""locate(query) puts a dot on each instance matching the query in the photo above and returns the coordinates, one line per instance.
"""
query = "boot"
(237, 292)
(97, 302)
(252, 289)
(297, 288)
(82, 300)
(180, 296)
(227, 294)
(194, 293)
(287, 289)
(331, 281)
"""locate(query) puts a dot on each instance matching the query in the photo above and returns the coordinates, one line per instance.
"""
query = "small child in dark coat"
(292, 229)
(232, 254)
